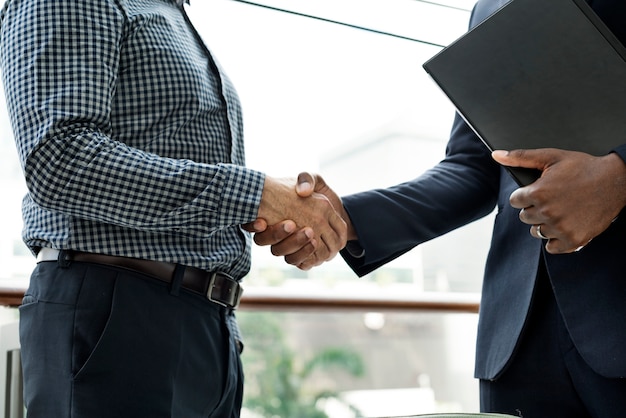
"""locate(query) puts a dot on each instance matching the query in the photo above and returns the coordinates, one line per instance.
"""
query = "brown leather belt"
(219, 288)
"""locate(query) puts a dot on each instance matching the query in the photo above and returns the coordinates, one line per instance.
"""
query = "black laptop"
(538, 74)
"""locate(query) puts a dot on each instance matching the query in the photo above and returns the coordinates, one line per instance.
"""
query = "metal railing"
(277, 299)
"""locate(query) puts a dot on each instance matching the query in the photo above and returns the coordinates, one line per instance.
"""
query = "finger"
(322, 253)
(528, 199)
(539, 232)
(294, 243)
(258, 225)
(530, 215)
(528, 158)
(305, 266)
(338, 238)
(554, 245)
(305, 184)
(273, 234)
(523, 213)
(581, 247)
(304, 253)
(518, 201)
(560, 246)
(310, 262)
(557, 246)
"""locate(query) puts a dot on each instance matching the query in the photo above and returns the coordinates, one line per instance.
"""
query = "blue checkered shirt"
(128, 132)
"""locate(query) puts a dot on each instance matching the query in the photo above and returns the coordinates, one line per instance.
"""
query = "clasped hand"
(299, 221)
(574, 200)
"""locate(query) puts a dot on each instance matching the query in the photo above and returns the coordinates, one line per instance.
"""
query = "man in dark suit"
(552, 333)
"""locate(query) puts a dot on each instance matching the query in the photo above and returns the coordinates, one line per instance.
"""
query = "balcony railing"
(277, 299)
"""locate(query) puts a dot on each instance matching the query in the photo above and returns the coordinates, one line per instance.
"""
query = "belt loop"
(64, 259)
(177, 279)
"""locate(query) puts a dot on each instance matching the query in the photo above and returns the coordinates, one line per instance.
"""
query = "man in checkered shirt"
(130, 139)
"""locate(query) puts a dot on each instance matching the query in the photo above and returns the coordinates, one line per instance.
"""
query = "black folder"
(538, 74)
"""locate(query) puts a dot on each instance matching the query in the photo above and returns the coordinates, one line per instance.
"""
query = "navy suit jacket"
(590, 285)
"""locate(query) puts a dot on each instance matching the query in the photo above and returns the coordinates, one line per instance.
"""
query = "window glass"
(353, 105)
(15, 258)
(325, 96)
(356, 106)
(357, 364)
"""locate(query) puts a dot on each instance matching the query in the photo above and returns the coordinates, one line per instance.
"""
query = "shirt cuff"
(354, 249)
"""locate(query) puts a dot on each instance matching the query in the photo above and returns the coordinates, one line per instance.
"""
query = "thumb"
(305, 185)
(527, 158)
(258, 225)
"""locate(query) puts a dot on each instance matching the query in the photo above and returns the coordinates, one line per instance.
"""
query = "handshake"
(305, 222)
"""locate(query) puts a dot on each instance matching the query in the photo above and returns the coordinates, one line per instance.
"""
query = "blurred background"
(335, 87)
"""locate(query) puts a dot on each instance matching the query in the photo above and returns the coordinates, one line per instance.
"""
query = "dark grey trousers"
(102, 341)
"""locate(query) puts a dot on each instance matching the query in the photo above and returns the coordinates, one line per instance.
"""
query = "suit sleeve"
(389, 222)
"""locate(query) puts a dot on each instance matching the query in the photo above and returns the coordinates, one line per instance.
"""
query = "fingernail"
(500, 153)
(309, 233)
(289, 227)
(305, 185)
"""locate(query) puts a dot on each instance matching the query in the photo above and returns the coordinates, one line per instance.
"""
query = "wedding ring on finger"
(538, 232)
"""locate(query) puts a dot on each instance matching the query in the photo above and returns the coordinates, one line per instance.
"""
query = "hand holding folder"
(570, 214)
(538, 74)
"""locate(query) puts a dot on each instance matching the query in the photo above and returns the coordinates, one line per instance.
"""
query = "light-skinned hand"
(310, 220)
(298, 246)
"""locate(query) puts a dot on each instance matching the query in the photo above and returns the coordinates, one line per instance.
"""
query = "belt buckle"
(237, 288)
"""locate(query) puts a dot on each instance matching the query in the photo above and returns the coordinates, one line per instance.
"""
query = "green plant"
(278, 384)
